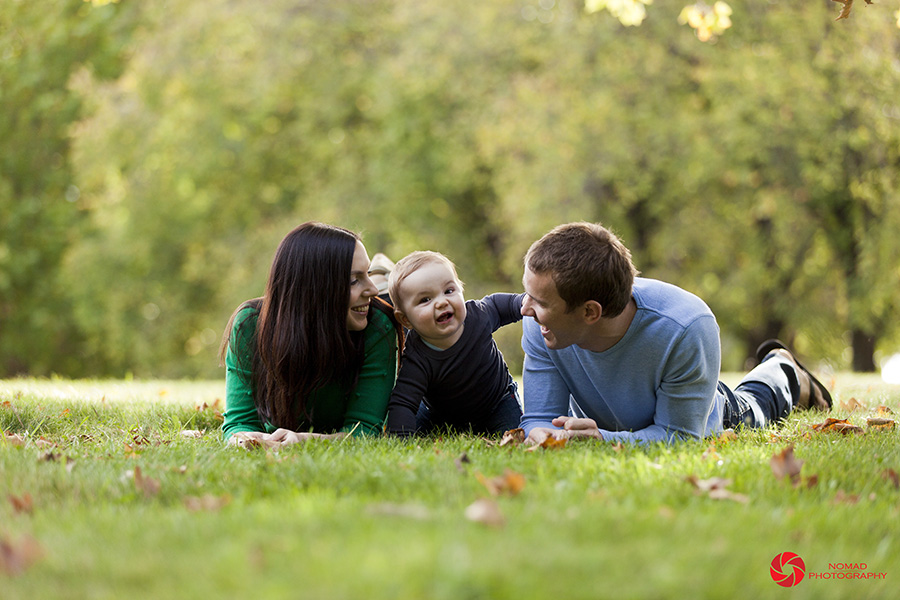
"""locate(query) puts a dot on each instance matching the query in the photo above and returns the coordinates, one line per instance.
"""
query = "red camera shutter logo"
(788, 569)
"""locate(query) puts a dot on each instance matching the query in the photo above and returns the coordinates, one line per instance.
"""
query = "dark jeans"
(764, 396)
(507, 415)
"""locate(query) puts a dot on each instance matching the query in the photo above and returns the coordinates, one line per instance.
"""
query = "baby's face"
(433, 304)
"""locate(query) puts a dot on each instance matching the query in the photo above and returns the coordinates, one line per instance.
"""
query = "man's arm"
(686, 396)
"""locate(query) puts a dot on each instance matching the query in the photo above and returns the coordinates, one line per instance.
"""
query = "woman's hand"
(286, 437)
(278, 438)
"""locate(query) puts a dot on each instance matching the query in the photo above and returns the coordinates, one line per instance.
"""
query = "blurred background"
(153, 154)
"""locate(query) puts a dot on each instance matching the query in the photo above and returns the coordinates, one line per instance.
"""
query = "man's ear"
(402, 318)
(592, 311)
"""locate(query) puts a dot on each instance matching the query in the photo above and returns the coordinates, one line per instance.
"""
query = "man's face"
(542, 302)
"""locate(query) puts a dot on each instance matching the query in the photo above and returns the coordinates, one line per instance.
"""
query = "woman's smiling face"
(361, 290)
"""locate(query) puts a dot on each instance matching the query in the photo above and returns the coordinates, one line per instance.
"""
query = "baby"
(452, 373)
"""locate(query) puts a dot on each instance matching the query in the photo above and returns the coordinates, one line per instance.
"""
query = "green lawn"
(103, 496)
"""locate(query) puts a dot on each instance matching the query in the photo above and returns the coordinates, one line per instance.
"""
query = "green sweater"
(360, 411)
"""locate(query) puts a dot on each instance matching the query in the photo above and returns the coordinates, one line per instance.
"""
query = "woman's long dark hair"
(302, 340)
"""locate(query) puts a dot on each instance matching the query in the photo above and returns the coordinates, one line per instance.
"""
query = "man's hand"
(578, 428)
(572, 429)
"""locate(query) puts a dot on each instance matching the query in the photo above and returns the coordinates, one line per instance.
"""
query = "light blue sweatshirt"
(658, 383)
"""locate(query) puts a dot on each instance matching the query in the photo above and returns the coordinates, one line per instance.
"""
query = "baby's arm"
(503, 308)
(409, 390)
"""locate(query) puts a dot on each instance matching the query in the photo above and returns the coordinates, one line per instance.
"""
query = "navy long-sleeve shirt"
(463, 384)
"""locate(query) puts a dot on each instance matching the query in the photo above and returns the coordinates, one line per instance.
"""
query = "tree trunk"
(863, 352)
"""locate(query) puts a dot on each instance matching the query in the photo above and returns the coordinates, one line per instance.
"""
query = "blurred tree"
(40, 51)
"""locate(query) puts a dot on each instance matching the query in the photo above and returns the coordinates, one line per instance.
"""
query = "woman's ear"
(592, 311)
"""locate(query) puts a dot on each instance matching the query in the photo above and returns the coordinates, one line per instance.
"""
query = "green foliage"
(180, 143)
(383, 518)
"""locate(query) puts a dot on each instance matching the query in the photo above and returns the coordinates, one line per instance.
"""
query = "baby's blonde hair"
(409, 264)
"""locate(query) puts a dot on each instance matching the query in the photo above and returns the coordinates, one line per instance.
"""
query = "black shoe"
(813, 394)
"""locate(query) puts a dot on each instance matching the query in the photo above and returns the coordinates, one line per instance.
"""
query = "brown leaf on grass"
(22, 504)
(891, 475)
(206, 502)
(851, 405)
(710, 453)
(716, 488)
(786, 465)
(843, 497)
(513, 437)
(485, 511)
(551, 442)
(705, 485)
(880, 424)
(509, 483)
(191, 433)
(812, 481)
(16, 557)
(6, 404)
(14, 439)
(883, 411)
(842, 426)
(728, 435)
(618, 447)
(242, 440)
(147, 485)
(408, 510)
(459, 461)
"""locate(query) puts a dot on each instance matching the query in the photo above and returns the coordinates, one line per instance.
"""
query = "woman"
(317, 355)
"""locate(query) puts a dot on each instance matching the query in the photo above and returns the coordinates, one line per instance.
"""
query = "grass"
(385, 518)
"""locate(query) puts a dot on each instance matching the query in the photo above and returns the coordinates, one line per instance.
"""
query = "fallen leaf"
(618, 447)
(485, 511)
(851, 405)
(16, 557)
(842, 426)
(130, 452)
(6, 404)
(727, 435)
(716, 488)
(812, 481)
(191, 433)
(509, 483)
(22, 504)
(786, 465)
(513, 437)
(147, 485)
(723, 494)
(891, 475)
(408, 511)
(459, 461)
(843, 497)
(705, 485)
(14, 438)
(882, 411)
(207, 502)
(880, 424)
(710, 453)
(551, 442)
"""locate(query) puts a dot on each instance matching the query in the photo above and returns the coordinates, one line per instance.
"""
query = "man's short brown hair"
(586, 262)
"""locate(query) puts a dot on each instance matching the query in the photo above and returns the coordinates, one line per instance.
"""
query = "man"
(613, 356)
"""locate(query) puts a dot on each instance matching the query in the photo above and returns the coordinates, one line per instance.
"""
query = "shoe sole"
(769, 345)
